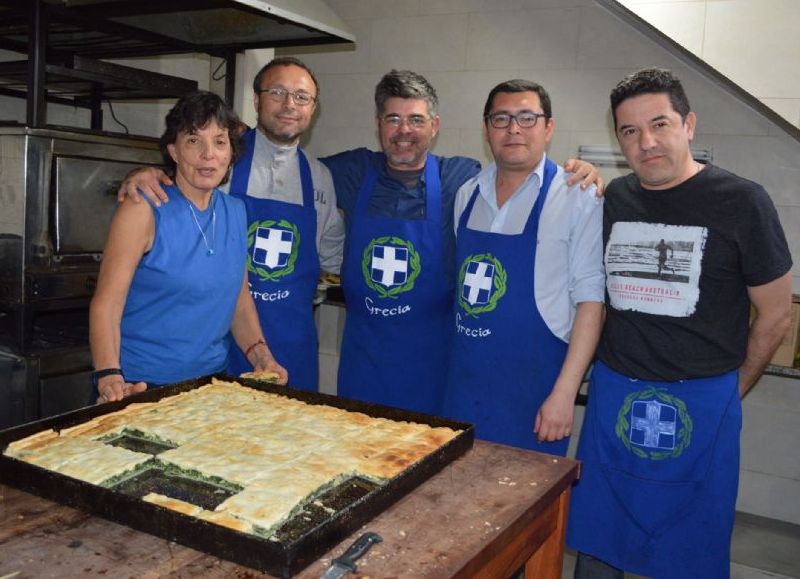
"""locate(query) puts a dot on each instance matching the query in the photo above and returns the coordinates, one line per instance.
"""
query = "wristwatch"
(97, 374)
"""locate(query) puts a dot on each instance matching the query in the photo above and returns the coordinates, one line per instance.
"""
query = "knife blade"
(346, 563)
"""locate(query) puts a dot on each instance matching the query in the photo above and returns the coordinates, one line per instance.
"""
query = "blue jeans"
(587, 567)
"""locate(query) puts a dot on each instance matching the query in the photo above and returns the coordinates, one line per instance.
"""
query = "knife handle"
(356, 550)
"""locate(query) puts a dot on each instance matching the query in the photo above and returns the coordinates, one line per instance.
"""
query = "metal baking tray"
(355, 502)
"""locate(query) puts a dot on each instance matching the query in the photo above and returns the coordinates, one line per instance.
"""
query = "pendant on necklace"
(209, 248)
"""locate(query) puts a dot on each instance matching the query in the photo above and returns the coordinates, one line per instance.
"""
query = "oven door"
(85, 197)
(42, 384)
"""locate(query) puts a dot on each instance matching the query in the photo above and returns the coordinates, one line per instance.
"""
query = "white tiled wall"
(740, 38)
(770, 469)
(578, 52)
(574, 48)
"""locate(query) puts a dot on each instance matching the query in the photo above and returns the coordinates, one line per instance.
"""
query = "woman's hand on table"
(273, 366)
(114, 388)
(263, 363)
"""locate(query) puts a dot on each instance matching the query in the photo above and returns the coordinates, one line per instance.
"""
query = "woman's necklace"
(209, 248)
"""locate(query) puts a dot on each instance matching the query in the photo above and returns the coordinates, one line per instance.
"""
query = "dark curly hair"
(194, 111)
(651, 81)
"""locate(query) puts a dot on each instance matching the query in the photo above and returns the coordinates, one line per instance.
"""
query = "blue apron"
(505, 359)
(283, 272)
(397, 331)
(660, 473)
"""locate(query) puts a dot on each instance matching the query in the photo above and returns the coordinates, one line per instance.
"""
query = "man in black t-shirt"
(660, 441)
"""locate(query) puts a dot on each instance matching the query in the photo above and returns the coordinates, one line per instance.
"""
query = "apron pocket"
(652, 505)
(665, 432)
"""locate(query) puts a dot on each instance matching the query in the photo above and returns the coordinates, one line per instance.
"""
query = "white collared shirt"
(569, 259)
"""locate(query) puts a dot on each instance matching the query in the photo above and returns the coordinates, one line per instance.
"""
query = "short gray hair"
(407, 85)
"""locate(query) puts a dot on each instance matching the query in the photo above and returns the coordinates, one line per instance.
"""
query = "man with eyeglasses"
(530, 283)
(294, 228)
(399, 267)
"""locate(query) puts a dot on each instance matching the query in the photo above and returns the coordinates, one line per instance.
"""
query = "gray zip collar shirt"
(275, 174)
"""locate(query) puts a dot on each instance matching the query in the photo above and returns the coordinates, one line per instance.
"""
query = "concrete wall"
(574, 48)
(578, 52)
(769, 482)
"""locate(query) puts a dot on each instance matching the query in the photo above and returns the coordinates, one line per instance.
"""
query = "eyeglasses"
(278, 94)
(525, 119)
(413, 121)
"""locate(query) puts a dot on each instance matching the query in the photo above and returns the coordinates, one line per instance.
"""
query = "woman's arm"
(246, 330)
(129, 238)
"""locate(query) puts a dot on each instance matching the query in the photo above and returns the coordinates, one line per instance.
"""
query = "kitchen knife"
(346, 563)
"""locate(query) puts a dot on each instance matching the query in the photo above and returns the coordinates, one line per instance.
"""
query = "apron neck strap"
(462, 221)
(433, 190)
(550, 170)
(305, 179)
(368, 184)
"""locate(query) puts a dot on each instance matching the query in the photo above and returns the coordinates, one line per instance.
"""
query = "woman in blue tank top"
(173, 283)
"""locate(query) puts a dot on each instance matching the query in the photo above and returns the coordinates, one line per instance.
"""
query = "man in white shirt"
(530, 284)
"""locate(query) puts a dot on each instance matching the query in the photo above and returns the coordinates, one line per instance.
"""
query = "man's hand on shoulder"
(144, 181)
(584, 173)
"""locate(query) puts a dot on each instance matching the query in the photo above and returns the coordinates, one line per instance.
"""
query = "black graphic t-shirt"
(678, 264)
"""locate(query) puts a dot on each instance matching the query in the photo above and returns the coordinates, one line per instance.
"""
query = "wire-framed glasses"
(413, 121)
(278, 94)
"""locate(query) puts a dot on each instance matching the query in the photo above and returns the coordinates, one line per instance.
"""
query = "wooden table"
(485, 515)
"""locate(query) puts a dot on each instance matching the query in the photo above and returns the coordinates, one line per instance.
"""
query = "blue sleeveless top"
(181, 300)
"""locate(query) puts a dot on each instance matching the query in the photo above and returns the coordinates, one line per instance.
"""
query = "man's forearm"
(773, 305)
(582, 345)
(764, 338)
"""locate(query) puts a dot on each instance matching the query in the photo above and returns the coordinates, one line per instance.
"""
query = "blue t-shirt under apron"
(181, 299)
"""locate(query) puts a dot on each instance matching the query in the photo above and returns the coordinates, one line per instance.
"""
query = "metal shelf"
(782, 371)
(84, 80)
(64, 41)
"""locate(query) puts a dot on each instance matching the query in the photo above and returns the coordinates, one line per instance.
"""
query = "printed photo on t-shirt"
(655, 268)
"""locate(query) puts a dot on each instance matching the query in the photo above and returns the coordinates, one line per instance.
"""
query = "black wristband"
(97, 374)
